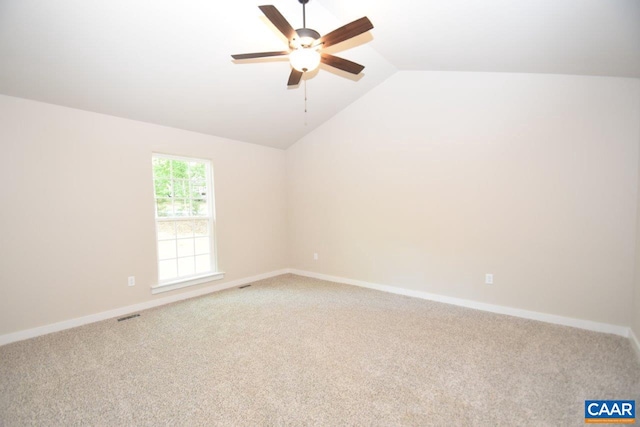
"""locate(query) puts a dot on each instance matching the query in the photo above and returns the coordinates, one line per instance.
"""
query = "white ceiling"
(168, 62)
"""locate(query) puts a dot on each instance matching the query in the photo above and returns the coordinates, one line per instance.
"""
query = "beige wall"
(433, 179)
(428, 182)
(636, 305)
(77, 210)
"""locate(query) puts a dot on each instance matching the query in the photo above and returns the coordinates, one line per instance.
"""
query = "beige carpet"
(299, 351)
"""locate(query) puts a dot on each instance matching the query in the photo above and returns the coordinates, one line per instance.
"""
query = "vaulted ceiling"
(168, 62)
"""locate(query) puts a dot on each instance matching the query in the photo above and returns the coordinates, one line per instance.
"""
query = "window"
(184, 220)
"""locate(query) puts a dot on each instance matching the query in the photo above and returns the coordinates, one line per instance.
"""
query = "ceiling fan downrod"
(305, 37)
(304, 12)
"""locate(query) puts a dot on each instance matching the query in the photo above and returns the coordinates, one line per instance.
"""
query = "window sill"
(183, 283)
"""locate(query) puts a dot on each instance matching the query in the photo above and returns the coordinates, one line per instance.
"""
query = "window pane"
(166, 230)
(167, 269)
(198, 171)
(185, 228)
(181, 208)
(186, 266)
(164, 207)
(185, 247)
(198, 189)
(166, 249)
(179, 169)
(203, 263)
(201, 227)
(180, 189)
(202, 245)
(199, 207)
(163, 187)
(161, 168)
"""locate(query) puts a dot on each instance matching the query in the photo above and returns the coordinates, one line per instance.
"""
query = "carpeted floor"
(299, 351)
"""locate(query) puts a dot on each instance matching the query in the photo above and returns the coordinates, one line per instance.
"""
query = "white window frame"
(195, 279)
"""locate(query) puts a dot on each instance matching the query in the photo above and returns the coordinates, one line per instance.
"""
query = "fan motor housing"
(304, 38)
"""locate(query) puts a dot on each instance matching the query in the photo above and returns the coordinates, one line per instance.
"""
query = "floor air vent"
(128, 317)
(242, 287)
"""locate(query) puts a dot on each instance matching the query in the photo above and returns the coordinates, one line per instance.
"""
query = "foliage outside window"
(184, 217)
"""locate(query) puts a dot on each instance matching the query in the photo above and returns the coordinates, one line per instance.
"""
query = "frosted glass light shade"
(305, 59)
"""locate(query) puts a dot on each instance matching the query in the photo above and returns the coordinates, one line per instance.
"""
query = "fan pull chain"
(305, 102)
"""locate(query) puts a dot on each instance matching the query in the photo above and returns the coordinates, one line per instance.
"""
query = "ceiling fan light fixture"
(305, 59)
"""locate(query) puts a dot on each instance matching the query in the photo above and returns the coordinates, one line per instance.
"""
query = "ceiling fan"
(305, 45)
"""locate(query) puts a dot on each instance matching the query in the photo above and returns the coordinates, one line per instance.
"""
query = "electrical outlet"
(315, 256)
(488, 279)
(132, 280)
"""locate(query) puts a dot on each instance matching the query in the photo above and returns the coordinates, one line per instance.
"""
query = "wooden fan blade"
(346, 32)
(259, 55)
(341, 63)
(278, 20)
(294, 77)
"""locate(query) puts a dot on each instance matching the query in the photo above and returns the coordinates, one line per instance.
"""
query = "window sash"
(194, 255)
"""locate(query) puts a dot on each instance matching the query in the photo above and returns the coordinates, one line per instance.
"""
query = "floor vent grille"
(128, 317)
(242, 287)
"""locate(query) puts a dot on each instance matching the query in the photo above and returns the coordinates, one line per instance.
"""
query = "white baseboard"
(72, 323)
(634, 342)
(526, 314)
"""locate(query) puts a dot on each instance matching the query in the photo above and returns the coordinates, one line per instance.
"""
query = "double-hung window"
(185, 221)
